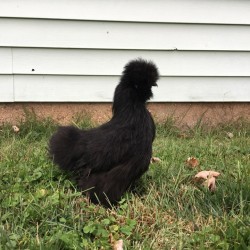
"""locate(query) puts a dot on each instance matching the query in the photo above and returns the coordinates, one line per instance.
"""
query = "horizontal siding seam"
(106, 76)
(127, 21)
(124, 49)
(124, 21)
(129, 49)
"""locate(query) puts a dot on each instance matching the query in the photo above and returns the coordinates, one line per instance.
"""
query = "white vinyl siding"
(165, 11)
(7, 88)
(99, 62)
(123, 35)
(75, 51)
(89, 88)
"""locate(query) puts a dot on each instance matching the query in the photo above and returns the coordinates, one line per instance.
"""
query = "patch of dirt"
(184, 113)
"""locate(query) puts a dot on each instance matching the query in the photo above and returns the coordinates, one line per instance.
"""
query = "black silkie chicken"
(105, 161)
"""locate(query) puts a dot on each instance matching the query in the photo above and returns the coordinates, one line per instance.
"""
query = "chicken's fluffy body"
(106, 160)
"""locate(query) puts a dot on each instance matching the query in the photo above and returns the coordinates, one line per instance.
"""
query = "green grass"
(40, 208)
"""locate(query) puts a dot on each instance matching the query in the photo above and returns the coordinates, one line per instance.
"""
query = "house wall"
(74, 51)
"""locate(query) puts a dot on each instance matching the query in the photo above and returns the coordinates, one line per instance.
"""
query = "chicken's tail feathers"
(61, 146)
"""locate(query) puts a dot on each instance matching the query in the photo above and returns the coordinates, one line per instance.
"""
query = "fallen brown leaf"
(210, 183)
(155, 160)
(15, 129)
(183, 135)
(192, 162)
(230, 135)
(205, 174)
(209, 177)
(118, 245)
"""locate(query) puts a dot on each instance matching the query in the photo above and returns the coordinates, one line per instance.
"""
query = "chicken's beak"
(155, 84)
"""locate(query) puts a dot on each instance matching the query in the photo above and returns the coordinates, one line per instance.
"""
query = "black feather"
(106, 160)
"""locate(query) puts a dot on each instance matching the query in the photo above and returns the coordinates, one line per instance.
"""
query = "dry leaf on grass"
(205, 174)
(15, 129)
(192, 162)
(230, 135)
(155, 160)
(210, 183)
(118, 245)
(183, 135)
(209, 177)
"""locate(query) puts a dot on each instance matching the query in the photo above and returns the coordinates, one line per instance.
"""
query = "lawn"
(41, 209)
